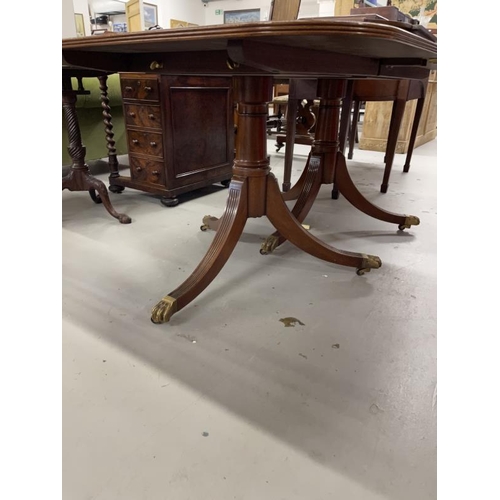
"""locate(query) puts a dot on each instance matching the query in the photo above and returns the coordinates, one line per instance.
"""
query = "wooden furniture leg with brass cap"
(79, 177)
(253, 192)
(246, 192)
(321, 161)
(351, 193)
(231, 226)
(333, 162)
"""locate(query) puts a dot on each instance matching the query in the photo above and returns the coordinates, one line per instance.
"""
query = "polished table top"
(322, 47)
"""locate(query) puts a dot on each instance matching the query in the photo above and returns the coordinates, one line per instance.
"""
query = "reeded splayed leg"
(320, 166)
(291, 229)
(347, 187)
(247, 192)
(231, 226)
(311, 185)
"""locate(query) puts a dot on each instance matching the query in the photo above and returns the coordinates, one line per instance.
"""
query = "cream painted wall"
(308, 8)
(68, 19)
(191, 11)
(82, 7)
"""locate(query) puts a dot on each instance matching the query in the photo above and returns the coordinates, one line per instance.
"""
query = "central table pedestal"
(254, 191)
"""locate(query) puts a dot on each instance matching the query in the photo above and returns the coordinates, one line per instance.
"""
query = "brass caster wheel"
(204, 227)
(361, 271)
(411, 220)
(368, 263)
(269, 245)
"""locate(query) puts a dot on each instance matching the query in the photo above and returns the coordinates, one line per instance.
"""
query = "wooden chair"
(399, 92)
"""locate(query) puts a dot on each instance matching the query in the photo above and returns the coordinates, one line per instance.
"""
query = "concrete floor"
(225, 402)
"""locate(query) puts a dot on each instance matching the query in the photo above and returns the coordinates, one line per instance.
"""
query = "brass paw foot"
(163, 311)
(411, 220)
(269, 245)
(369, 262)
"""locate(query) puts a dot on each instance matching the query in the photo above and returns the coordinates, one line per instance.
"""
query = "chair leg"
(414, 130)
(291, 116)
(354, 128)
(398, 111)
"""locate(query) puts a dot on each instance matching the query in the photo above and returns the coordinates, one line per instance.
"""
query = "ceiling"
(102, 6)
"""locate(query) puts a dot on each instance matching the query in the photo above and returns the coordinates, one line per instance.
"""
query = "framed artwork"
(150, 15)
(120, 27)
(80, 25)
(423, 10)
(175, 23)
(242, 16)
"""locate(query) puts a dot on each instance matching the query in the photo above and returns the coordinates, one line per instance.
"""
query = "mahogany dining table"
(331, 50)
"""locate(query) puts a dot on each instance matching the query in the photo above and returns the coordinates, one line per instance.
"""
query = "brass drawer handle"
(132, 114)
(153, 144)
(128, 89)
(135, 141)
(155, 173)
(151, 116)
(138, 169)
(148, 89)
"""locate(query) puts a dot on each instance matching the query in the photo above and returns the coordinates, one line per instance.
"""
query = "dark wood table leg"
(79, 177)
(354, 128)
(345, 120)
(353, 195)
(398, 111)
(333, 166)
(110, 136)
(414, 130)
(320, 164)
(291, 130)
(253, 192)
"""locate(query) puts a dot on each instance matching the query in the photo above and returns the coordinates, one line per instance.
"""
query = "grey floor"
(225, 402)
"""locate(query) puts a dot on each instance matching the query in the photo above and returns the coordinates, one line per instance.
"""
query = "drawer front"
(146, 143)
(142, 115)
(140, 88)
(145, 170)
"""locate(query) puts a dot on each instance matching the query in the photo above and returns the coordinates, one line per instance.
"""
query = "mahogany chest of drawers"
(180, 133)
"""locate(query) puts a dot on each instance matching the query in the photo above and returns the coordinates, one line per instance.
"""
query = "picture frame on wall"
(79, 25)
(242, 16)
(150, 15)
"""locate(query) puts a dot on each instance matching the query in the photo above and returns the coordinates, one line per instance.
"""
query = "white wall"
(191, 11)
(82, 7)
(68, 19)
(212, 6)
(308, 8)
